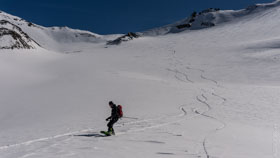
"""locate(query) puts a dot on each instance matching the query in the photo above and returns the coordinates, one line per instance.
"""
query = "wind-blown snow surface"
(205, 93)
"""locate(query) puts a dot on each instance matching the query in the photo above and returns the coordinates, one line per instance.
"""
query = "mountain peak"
(17, 33)
(209, 18)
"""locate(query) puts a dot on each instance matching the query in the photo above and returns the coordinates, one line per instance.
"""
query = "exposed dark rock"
(194, 14)
(19, 42)
(194, 17)
(184, 26)
(87, 35)
(252, 7)
(209, 10)
(191, 20)
(189, 24)
(207, 24)
(30, 24)
(20, 39)
(124, 38)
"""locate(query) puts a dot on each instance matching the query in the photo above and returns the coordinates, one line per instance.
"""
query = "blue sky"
(113, 16)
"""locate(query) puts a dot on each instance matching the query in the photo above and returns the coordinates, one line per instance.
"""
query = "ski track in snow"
(42, 139)
(223, 124)
(216, 95)
(152, 123)
(177, 73)
(183, 74)
(202, 98)
(244, 51)
(205, 78)
(182, 114)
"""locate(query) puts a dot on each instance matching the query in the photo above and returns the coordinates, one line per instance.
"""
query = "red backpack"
(120, 112)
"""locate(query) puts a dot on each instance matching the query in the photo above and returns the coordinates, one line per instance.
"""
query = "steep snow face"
(209, 18)
(53, 38)
(12, 37)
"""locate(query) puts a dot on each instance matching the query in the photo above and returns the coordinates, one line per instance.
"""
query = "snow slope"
(202, 93)
(12, 36)
(56, 38)
(209, 18)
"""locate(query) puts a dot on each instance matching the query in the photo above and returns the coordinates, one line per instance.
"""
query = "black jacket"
(114, 113)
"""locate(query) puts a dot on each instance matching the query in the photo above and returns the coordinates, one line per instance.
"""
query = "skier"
(113, 118)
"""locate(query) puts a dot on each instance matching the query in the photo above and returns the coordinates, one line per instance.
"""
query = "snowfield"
(211, 93)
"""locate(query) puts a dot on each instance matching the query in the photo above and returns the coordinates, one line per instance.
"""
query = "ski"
(106, 133)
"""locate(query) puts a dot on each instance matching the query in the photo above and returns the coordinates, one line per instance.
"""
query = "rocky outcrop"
(124, 38)
(12, 37)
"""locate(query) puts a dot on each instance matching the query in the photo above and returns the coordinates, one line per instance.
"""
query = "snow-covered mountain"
(209, 18)
(53, 38)
(12, 37)
(199, 93)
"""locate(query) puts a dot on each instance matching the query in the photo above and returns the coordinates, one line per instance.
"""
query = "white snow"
(212, 17)
(6, 41)
(202, 93)
(62, 39)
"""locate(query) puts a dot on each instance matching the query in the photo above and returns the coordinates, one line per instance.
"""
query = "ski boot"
(111, 131)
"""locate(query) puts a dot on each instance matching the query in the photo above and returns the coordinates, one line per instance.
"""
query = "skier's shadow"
(91, 135)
